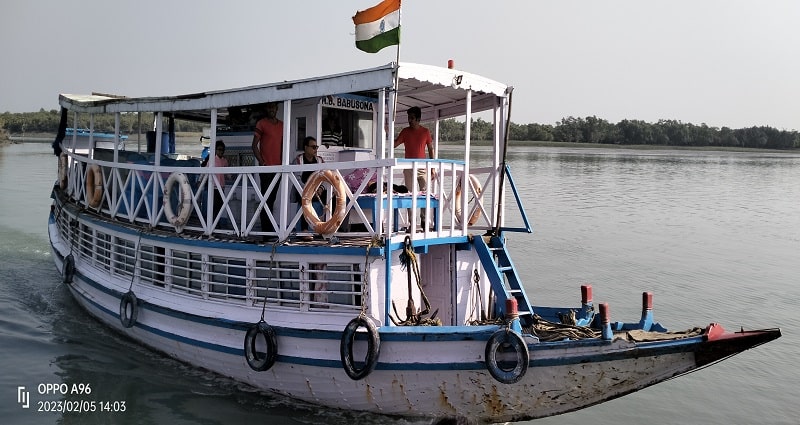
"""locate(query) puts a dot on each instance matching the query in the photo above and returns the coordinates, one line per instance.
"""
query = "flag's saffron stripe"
(375, 13)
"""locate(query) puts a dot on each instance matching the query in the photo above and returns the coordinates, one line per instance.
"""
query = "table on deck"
(399, 201)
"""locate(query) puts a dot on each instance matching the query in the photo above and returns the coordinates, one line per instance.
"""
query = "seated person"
(309, 156)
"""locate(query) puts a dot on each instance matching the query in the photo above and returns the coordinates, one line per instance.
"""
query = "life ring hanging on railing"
(63, 166)
(254, 359)
(128, 309)
(457, 200)
(373, 348)
(505, 338)
(316, 179)
(178, 218)
(94, 185)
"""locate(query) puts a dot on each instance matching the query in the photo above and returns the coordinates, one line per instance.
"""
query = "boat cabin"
(354, 117)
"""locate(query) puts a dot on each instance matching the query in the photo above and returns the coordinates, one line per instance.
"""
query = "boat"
(402, 302)
(82, 138)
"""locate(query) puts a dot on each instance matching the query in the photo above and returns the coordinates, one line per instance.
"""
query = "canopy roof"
(428, 87)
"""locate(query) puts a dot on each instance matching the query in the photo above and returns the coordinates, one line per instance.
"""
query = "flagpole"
(397, 64)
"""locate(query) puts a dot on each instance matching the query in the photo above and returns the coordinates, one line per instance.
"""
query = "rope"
(374, 242)
(551, 331)
(135, 260)
(408, 261)
(478, 297)
(73, 224)
(269, 275)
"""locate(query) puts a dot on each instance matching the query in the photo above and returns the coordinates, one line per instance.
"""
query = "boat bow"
(720, 344)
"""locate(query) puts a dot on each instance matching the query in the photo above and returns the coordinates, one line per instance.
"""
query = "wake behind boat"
(401, 301)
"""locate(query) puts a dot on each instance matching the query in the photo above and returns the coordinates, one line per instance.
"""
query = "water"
(714, 235)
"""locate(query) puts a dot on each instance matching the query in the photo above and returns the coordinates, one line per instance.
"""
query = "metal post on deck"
(283, 214)
(115, 170)
(499, 203)
(91, 135)
(465, 178)
(212, 163)
(156, 176)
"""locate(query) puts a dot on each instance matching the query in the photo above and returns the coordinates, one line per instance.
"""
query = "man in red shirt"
(416, 138)
(267, 148)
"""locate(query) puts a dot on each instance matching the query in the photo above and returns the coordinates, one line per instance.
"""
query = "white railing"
(135, 193)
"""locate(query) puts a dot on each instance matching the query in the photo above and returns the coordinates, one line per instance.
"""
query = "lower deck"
(344, 274)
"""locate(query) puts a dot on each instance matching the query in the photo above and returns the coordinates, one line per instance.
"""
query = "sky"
(730, 63)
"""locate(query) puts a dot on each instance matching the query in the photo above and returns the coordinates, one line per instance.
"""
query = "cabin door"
(436, 271)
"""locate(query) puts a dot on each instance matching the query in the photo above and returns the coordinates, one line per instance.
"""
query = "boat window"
(187, 271)
(227, 276)
(349, 129)
(347, 121)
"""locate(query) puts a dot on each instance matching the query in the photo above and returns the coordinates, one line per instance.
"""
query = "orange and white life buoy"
(457, 201)
(63, 166)
(94, 185)
(330, 226)
(181, 216)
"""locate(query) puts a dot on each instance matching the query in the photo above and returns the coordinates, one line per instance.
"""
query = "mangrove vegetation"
(579, 130)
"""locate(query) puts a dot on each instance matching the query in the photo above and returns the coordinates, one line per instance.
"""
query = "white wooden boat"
(432, 322)
(81, 138)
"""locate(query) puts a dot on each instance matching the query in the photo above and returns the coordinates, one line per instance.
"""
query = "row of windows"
(301, 285)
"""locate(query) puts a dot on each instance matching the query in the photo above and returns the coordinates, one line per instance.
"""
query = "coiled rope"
(408, 261)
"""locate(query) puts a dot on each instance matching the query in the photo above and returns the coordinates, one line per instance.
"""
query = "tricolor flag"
(378, 26)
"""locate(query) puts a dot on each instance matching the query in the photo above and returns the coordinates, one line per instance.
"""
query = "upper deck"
(367, 108)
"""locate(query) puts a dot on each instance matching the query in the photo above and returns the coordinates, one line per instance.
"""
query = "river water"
(714, 235)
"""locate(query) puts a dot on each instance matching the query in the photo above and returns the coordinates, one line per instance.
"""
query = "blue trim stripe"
(235, 246)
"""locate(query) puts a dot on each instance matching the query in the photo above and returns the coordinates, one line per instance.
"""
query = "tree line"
(571, 129)
(48, 121)
(631, 132)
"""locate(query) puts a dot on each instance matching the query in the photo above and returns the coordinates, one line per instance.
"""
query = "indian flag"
(378, 26)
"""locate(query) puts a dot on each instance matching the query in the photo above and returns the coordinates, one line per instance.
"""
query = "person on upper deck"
(415, 138)
(267, 148)
(331, 131)
(309, 156)
(219, 161)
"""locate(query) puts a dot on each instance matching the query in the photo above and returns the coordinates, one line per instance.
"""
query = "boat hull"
(419, 374)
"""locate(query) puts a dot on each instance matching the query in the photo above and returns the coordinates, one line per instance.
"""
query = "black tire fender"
(255, 359)
(373, 348)
(505, 338)
(68, 270)
(128, 300)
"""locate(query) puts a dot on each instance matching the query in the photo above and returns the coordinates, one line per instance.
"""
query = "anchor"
(414, 317)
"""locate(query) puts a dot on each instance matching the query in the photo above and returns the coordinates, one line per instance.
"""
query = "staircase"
(503, 276)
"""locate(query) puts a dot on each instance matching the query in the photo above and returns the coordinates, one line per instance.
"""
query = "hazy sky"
(727, 63)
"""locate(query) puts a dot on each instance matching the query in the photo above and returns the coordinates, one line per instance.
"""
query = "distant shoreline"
(530, 143)
(48, 138)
